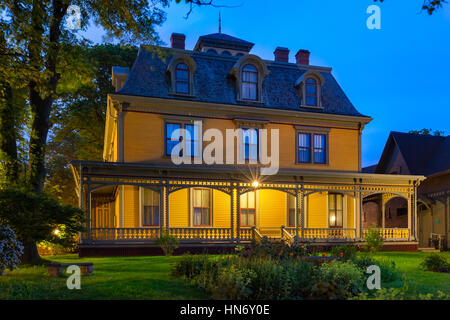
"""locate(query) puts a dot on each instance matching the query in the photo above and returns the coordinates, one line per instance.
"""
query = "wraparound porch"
(309, 209)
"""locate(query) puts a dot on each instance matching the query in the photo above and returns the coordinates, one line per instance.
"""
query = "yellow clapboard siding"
(271, 208)
(179, 208)
(131, 207)
(222, 209)
(350, 212)
(317, 210)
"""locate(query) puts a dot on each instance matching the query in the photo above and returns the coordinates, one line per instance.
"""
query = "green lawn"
(113, 278)
(149, 278)
(419, 280)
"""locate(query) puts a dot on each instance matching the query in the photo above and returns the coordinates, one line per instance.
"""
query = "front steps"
(429, 249)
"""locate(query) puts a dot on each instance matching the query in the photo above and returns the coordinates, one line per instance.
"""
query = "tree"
(79, 121)
(35, 216)
(430, 6)
(427, 132)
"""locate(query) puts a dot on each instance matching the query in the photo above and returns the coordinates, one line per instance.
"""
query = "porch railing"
(390, 234)
(214, 234)
(111, 234)
(328, 233)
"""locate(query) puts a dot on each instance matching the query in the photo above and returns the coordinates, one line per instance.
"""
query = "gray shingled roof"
(423, 154)
(212, 83)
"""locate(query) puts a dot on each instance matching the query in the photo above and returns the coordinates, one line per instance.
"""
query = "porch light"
(255, 184)
(333, 218)
(56, 232)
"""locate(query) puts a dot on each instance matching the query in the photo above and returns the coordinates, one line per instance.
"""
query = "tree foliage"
(428, 132)
(430, 6)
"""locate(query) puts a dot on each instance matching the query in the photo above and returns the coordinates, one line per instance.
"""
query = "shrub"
(345, 252)
(10, 249)
(168, 243)
(344, 275)
(388, 268)
(435, 262)
(190, 266)
(374, 240)
(267, 249)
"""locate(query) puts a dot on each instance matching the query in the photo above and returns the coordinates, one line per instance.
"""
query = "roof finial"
(220, 24)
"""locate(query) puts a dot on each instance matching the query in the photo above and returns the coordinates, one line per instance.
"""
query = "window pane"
(251, 218)
(311, 89)
(332, 200)
(339, 201)
(339, 219)
(197, 198)
(311, 100)
(251, 199)
(244, 200)
(319, 148)
(244, 221)
(182, 87)
(304, 140)
(197, 216)
(205, 217)
(205, 198)
(291, 221)
(156, 215)
(304, 155)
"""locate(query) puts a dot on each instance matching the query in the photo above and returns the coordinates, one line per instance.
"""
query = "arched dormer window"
(310, 87)
(249, 82)
(182, 79)
(181, 68)
(249, 72)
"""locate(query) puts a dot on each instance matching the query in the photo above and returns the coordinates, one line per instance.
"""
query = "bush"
(10, 249)
(435, 262)
(267, 249)
(190, 266)
(374, 240)
(168, 243)
(345, 252)
(345, 276)
(388, 268)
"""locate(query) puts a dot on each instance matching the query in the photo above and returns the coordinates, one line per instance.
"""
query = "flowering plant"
(10, 249)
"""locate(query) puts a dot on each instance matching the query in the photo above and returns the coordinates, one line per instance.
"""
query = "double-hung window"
(335, 210)
(249, 82)
(248, 209)
(177, 132)
(311, 148)
(201, 207)
(250, 143)
(150, 208)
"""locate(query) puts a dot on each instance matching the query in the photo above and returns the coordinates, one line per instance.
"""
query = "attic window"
(182, 79)
(311, 91)
(249, 82)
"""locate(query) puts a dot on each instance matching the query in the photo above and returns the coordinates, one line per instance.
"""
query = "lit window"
(311, 91)
(248, 209)
(182, 78)
(311, 148)
(150, 208)
(250, 142)
(201, 207)
(249, 82)
(335, 210)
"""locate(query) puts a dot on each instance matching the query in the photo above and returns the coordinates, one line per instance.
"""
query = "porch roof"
(237, 172)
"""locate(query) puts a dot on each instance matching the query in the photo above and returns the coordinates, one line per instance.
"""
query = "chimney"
(281, 54)
(177, 40)
(302, 56)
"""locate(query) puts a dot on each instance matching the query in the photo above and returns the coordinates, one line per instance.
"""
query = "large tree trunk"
(30, 253)
(8, 135)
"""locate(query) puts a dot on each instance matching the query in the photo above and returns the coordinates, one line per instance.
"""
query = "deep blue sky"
(399, 75)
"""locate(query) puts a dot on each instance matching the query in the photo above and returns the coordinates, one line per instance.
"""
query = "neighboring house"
(137, 193)
(407, 154)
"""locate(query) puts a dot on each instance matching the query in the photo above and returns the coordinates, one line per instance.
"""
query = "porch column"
(416, 222)
(232, 203)
(409, 216)
(82, 206)
(238, 213)
(297, 211)
(89, 208)
(162, 210)
(355, 212)
(302, 210)
(383, 211)
(166, 207)
(360, 205)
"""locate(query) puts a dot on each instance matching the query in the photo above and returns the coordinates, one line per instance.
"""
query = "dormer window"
(249, 82)
(309, 88)
(311, 91)
(181, 69)
(182, 78)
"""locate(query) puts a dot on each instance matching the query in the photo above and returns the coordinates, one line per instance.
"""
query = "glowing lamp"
(255, 184)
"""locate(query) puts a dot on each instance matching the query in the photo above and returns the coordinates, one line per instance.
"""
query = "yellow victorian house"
(317, 191)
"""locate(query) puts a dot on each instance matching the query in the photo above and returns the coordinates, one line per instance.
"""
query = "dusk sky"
(399, 75)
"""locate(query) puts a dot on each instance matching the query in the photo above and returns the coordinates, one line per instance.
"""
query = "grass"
(418, 280)
(149, 278)
(113, 278)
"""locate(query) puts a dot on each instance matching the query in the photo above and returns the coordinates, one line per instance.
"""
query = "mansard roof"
(213, 83)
